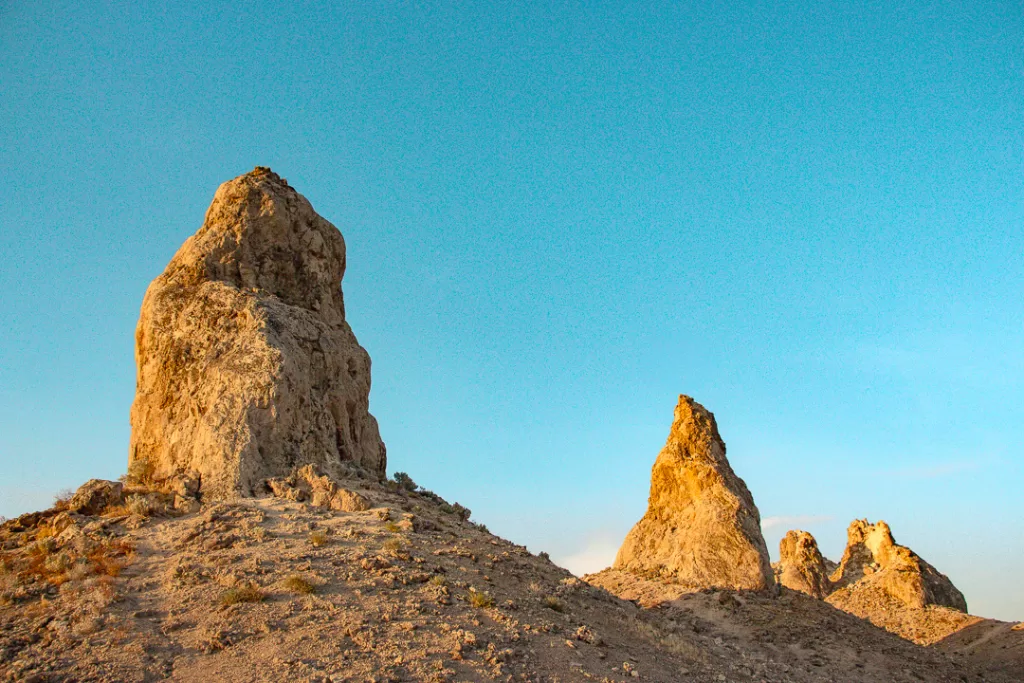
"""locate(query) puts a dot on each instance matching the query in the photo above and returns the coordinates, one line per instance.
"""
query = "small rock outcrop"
(701, 528)
(801, 566)
(308, 483)
(877, 572)
(246, 365)
(95, 496)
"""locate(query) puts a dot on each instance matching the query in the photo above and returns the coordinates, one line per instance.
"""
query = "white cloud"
(793, 521)
(598, 554)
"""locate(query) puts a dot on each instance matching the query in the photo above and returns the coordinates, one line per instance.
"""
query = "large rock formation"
(801, 566)
(875, 570)
(701, 528)
(246, 366)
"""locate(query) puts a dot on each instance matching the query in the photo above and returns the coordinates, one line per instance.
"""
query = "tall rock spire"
(246, 365)
(701, 528)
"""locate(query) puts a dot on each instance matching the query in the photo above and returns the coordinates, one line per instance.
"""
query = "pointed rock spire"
(701, 528)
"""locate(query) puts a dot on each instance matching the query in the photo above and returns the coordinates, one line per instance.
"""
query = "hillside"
(408, 590)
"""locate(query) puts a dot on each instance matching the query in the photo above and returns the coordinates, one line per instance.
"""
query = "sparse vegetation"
(405, 482)
(438, 580)
(140, 473)
(63, 497)
(461, 511)
(299, 584)
(392, 545)
(247, 593)
(139, 505)
(392, 527)
(553, 603)
(480, 600)
(544, 556)
(318, 538)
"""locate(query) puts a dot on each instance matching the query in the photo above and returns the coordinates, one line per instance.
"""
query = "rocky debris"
(308, 483)
(95, 496)
(701, 528)
(246, 365)
(801, 566)
(874, 561)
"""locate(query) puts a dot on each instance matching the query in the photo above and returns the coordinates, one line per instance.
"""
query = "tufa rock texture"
(246, 365)
(701, 528)
(801, 566)
(876, 570)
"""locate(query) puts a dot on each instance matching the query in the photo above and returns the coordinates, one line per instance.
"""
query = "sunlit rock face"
(701, 528)
(875, 570)
(246, 365)
(801, 566)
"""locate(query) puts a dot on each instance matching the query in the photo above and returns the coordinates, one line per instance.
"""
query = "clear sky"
(560, 216)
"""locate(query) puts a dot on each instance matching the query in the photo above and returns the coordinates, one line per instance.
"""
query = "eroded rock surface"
(246, 365)
(701, 528)
(874, 561)
(801, 566)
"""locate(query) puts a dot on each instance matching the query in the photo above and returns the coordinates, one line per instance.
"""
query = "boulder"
(247, 367)
(95, 496)
(701, 528)
(801, 566)
(877, 573)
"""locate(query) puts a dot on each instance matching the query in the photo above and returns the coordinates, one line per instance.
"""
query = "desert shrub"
(248, 593)
(138, 505)
(109, 557)
(483, 528)
(318, 538)
(392, 545)
(544, 556)
(438, 580)
(298, 584)
(553, 603)
(480, 600)
(462, 511)
(392, 527)
(62, 498)
(405, 481)
(140, 473)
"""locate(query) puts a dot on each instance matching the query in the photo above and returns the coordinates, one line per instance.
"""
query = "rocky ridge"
(277, 588)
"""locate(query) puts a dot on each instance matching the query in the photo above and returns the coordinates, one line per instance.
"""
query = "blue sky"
(558, 218)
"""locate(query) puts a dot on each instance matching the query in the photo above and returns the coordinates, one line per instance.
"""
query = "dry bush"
(392, 545)
(298, 584)
(139, 505)
(438, 580)
(318, 538)
(63, 497)
(247, 593)
(140, 474)
(480, 600)
(392, 527)
(108, 558)
(553, 603)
